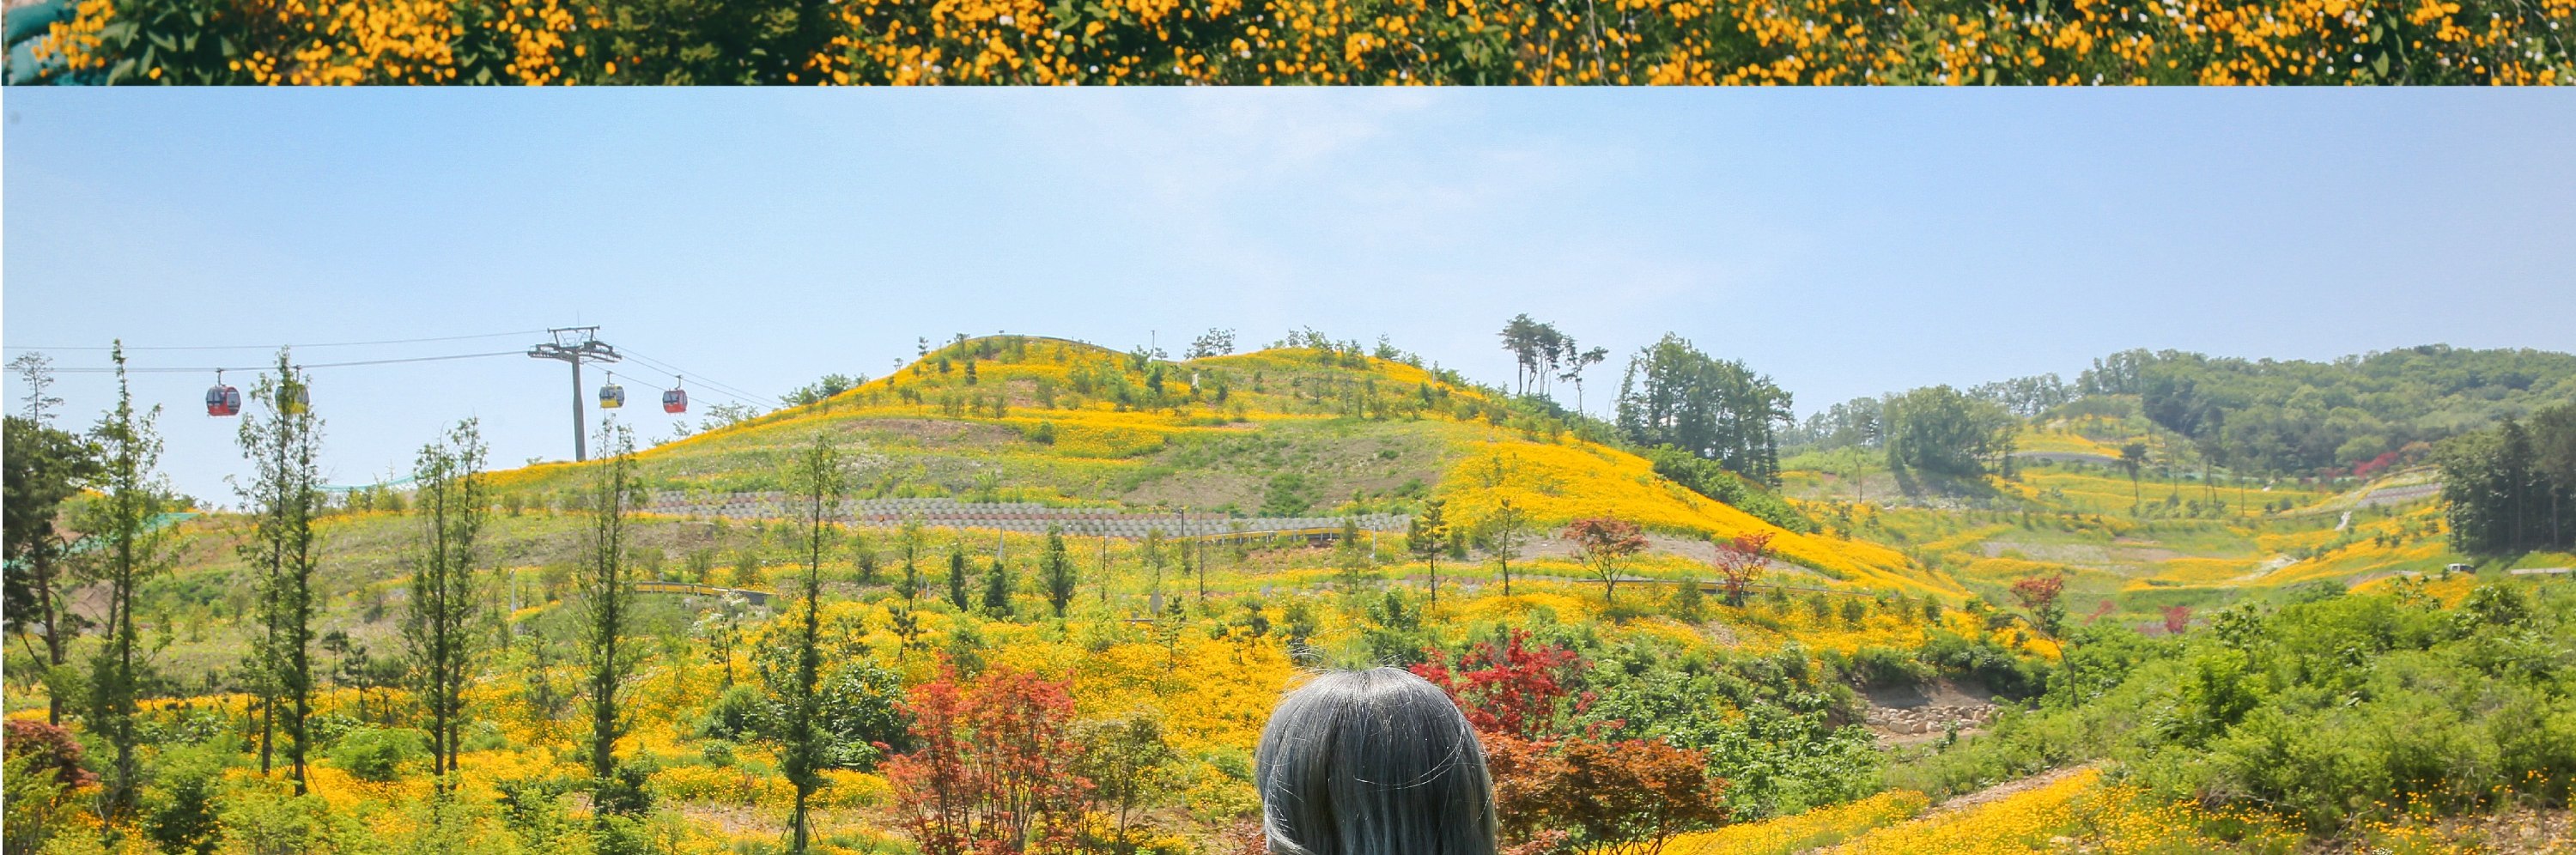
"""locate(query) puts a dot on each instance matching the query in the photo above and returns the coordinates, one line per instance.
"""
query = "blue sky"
(1845, 242)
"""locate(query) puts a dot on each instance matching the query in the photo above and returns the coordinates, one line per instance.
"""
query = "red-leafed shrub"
(1555, 788)
(1740, 561)
(1606, 544)
(2038, 594)
(53, 748)
(1628, 797)
(1515, 690)
(995, 769)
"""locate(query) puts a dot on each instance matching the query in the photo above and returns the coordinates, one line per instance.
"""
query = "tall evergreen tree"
(997, 588)
(1058, 566)
(126, 519)
(45, 465)
(909, 540)
(284, 447)
(819, 481)
(1427, 537)
(957, 575)
(1539, 354)
(448, 475)
(2553, 433)
(609, 593)
(1576, 362)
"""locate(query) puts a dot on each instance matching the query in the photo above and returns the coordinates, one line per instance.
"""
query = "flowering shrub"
(2021, 822)
(1801, 832)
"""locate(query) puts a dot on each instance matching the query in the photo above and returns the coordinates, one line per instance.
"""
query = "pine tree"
(610, 594)
(957, 575)
(820, 483)
(1506, 531)
(997, 589)
(126, 520)
(909, 541)
(1060, 579)
(284, 449)
(452, 502)
(45, 465)
(1425, 539)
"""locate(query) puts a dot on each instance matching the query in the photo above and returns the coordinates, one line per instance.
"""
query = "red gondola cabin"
(222, 400)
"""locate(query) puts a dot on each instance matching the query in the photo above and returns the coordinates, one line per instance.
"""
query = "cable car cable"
(676, 372)
(718, 388)
(722, 389)
(276, 346)
(165, 370)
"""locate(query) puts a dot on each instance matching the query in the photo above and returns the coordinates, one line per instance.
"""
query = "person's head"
(1373, 763)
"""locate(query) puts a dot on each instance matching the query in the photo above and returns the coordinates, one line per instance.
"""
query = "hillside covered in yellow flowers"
(1041, 573)
(1281, 432)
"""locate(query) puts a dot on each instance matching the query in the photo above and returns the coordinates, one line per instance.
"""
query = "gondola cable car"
(675, 399)
(222, 400)
(297, 397)
(611, 395)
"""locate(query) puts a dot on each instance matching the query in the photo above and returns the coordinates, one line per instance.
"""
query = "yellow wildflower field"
(1801, 832)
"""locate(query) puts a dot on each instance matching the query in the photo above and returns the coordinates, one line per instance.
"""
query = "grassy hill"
(1282, 432)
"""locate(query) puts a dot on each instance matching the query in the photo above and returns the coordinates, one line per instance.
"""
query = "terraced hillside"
(1283, 433)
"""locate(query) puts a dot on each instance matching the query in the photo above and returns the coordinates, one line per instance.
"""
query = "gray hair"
(1375, 762)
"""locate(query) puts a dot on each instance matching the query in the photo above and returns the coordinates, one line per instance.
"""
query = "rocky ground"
(1914, 713)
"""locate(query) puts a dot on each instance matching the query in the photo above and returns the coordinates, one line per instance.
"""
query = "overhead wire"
(719, 389)
(291, 346)
(677, 373)
(203, 369)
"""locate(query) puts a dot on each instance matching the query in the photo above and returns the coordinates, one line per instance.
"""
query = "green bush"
(741, 713)
(266, 820)
(1769, 724)
(1982, 660)
(1886, 666)
(2332, 710)
(37, 805)
(1707, 478)
(379, 753)
(2354, 707)
(179, 808)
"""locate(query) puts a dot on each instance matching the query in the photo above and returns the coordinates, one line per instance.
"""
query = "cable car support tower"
(576, 345)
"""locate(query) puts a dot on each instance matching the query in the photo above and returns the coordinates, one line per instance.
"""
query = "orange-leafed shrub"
(995, 766)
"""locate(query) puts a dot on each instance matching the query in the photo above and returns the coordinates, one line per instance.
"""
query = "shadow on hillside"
(1939, 488)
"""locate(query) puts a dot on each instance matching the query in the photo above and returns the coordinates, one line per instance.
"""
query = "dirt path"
(2006, 789)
